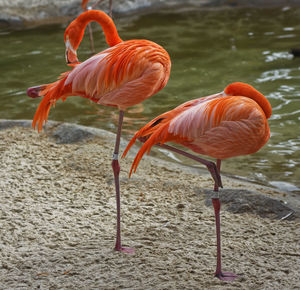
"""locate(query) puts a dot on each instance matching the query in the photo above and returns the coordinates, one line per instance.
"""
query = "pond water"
(209, 49)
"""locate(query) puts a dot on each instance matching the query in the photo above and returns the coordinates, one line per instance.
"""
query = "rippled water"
(209, 49)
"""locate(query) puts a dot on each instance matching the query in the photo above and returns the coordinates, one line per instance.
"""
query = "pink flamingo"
(224, 125)
(121, 76)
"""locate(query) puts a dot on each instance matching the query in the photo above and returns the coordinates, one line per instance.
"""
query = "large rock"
(247, 201)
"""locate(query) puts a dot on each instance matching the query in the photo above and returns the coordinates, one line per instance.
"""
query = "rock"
(33, 11)
(30, 12)
(68, 134)
(5, 124)
(242, 201)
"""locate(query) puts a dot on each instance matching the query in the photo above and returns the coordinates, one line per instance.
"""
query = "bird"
(231, 123)
(123, 75)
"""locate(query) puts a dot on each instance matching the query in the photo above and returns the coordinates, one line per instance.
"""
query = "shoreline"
(70, 133)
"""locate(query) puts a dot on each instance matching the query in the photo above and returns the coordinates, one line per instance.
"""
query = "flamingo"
(223, 125)
(125, 74)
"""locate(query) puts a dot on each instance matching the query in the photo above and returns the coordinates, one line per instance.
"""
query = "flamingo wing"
(157, 126)
(157, 130)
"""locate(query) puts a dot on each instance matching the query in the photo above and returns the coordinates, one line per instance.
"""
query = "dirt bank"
(57, 220)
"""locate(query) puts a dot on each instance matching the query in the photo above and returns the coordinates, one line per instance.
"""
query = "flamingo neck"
(108, 26)
(242, 89)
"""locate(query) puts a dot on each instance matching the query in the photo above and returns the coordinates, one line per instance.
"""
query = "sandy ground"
(57, 223)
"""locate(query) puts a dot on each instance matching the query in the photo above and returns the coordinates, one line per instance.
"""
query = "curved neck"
(242, 89)
(263, 103)
(108, 26)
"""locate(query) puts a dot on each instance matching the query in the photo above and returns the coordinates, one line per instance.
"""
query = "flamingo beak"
(71, 55)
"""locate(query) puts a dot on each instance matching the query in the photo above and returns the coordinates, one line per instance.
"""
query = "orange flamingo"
(224, 125)
(121, 76)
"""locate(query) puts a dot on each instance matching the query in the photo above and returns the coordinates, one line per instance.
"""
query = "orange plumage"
(123, 75)
(227, 124)
(223, 125)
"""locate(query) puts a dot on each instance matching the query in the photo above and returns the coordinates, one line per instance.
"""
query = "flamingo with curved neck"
(125, 74)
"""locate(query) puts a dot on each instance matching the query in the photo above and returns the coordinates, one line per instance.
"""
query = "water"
(209, 49)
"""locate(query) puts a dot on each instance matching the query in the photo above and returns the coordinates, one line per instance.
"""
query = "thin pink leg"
(116, 170)
(217, 206)
(110, 6)
(91, 38)
(212, 168)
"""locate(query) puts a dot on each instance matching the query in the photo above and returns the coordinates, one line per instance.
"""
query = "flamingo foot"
(125, 250)
(226, 276)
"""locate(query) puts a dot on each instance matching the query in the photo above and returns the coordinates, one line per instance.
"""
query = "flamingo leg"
(91, 33)
(116, 169)
(110, 6)
(211, 166)
(217, 206)
(90, 26)
(91, 38)
(214, 170)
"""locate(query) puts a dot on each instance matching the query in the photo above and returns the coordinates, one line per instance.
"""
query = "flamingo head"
(73, 36)
(240, 89)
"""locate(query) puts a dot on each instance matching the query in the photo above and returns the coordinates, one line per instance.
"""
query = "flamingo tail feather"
(151, 134)
(51, 92)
